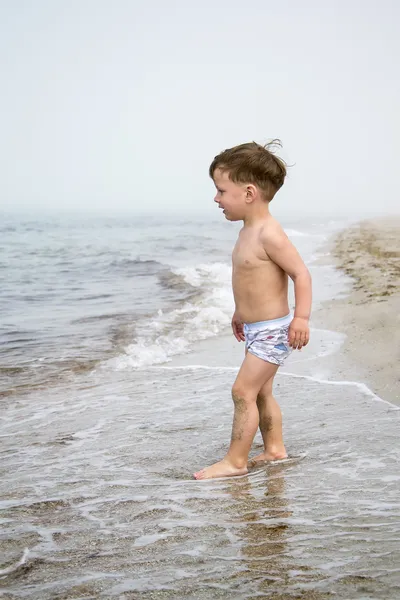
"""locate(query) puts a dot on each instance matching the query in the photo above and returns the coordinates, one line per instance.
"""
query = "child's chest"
(248, 253)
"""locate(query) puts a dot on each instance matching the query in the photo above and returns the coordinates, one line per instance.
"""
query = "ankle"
(275, 452)
(274, 448)
(236, 462)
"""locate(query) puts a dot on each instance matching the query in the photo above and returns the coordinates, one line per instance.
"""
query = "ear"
(251, 193)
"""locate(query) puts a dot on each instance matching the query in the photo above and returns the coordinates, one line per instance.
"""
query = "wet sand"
(369, 253)
(97, 501)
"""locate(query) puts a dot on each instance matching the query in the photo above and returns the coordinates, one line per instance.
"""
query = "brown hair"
(253, 163)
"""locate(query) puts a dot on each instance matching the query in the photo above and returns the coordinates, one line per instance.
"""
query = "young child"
(247, 178)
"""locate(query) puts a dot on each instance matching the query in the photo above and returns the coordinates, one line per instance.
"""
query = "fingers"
(234, 330)
(237, 329)
(298, 339)
(240, 332)
(292, 338)
(237, 335)
(302, 339)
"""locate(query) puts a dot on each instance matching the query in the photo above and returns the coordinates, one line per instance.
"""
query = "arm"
(282, 252)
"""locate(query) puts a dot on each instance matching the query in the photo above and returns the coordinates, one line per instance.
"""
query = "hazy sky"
(121, 104)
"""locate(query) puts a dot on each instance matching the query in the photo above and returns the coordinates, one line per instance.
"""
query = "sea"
(116, 364)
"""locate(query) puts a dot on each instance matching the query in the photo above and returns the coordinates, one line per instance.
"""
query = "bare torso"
(260, 286)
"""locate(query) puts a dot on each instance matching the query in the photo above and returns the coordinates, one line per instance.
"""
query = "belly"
(260, 294)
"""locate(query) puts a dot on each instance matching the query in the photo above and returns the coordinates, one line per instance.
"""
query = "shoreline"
(369, 314)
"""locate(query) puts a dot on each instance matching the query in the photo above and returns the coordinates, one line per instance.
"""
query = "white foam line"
(361, 386)
(16, 565)
(186, 367)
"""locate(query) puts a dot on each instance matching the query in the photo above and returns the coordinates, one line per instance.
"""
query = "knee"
(241, 395)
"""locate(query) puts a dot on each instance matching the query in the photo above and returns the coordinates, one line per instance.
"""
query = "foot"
(223, 468)
(267, 457)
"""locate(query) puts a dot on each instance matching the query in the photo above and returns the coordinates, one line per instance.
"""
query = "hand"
(237, 327)
(299, 333)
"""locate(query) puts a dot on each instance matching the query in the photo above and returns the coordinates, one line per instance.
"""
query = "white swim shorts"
(269, 339)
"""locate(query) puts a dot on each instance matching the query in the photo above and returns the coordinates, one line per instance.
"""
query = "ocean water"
(77, 292)
(116, 364)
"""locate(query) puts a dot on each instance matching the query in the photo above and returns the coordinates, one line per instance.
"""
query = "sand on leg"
(253, 374)
(270, 426)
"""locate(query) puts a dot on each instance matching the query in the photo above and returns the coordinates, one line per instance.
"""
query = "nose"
(216, 199)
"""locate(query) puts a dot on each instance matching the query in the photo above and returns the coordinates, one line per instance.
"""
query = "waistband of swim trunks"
(273, 324)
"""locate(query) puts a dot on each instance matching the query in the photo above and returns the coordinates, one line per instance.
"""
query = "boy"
(247, 178)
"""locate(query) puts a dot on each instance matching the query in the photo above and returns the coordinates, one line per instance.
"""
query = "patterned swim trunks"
(269, 339)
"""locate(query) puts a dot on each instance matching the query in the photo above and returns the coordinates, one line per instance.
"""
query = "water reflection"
(264, 524)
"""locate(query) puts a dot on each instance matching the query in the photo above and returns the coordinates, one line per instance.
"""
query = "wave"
(137, 266)
(295, 233)
(171, 280)
(205, 314)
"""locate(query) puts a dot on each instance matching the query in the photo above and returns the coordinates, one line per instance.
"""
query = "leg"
(253, 374)
(270, 425)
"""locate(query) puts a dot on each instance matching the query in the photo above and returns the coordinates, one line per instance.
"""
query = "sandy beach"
(369, 253)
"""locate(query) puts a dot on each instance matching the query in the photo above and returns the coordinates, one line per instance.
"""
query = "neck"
(256, 214)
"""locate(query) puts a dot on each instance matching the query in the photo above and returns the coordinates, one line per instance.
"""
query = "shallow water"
(116, 376)
(96, 484)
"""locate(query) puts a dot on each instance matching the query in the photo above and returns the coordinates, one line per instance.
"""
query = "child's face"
(230, 196)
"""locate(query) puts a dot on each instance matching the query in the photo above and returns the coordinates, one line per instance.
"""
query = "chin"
(232, 218)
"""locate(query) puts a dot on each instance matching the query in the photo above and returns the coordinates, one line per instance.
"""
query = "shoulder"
(272, 233)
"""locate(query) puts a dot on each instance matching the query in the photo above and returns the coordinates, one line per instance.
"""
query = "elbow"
(304, 275)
